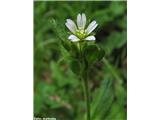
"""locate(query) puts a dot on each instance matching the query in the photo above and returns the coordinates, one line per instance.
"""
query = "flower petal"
(91, 27)
(71, 25)
(79, 21)
(83, 20)
(90, 38)
(73, 38)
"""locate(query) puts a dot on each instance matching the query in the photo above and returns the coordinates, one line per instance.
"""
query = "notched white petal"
(83, 20)
(91, 27)
(90, 38)
(71, 25)
(91, 24)
(79, 21)
(73, 38)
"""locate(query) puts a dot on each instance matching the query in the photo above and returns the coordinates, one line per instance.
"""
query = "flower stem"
(85, 86)
(87, 96)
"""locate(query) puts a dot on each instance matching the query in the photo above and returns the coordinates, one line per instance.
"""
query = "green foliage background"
(57, 91)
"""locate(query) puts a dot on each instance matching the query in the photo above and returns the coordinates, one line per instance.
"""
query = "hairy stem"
(87, 96)
(85, 86)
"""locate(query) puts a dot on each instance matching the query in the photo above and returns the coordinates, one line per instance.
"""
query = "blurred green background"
(57, 91)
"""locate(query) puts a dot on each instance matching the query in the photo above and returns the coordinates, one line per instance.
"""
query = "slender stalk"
(87, 96)
(85, 83)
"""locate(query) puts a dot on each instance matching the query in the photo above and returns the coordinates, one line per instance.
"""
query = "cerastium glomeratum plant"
(83, 51)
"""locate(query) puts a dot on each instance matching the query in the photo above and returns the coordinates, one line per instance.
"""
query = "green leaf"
(38, 103)
(91, 53)
(75, 66)
(102, 101)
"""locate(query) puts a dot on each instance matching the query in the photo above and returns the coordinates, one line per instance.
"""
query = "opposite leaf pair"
(83, 55)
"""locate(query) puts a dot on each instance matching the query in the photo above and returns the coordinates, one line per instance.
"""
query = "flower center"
(81, 34)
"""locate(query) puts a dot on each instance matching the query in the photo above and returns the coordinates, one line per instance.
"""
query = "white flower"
(79, 32)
